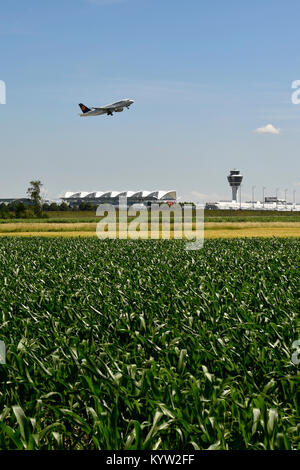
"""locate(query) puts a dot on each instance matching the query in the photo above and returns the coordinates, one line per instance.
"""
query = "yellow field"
(212, 229)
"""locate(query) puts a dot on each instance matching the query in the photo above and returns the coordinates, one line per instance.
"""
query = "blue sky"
(204, 75)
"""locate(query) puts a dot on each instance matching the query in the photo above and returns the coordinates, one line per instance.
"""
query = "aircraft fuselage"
(108, 109)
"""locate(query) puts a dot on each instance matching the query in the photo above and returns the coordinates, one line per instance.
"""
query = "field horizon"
(231, 229)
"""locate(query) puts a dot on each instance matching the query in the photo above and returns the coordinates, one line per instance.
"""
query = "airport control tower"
(235, 179)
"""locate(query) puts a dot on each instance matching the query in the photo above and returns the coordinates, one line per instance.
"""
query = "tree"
(53, 206)
(63, 206)
(20, 210)
(4, 212)
(34, 192)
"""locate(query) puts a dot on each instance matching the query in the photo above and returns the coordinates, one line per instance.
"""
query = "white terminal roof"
(156, 195)
(93, 195)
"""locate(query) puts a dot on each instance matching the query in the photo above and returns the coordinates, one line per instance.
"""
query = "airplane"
(108, 109)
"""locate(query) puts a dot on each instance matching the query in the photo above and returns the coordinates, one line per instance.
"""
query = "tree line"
(35, 207)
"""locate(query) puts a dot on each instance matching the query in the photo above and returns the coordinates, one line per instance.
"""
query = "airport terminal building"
(145, 198)
(268, 203)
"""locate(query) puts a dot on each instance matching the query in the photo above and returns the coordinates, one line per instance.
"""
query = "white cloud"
(268, 129)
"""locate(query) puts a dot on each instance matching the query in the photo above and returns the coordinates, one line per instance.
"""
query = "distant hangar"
(112, 197)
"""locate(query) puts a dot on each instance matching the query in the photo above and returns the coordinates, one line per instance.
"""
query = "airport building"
(269, 203)
(145, 198)
(276, 205)
(235, 180)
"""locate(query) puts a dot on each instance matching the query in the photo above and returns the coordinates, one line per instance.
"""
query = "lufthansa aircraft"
(109, 109)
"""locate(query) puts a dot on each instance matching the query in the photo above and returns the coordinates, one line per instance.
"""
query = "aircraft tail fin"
(84, 108)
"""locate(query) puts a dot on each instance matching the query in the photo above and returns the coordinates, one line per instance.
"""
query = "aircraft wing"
(108, 109)
(102, 108)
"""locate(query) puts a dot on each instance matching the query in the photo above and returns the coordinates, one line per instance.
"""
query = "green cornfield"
(143, 345)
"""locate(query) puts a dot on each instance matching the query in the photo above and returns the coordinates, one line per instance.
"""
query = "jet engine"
(118, 110)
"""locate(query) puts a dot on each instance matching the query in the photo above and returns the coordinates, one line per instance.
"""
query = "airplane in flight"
(108, 109)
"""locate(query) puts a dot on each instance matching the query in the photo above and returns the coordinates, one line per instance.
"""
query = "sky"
(211, 81)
